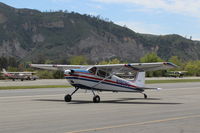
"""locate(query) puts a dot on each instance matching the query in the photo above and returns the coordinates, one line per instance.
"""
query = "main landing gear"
(96, 98)
(68, 97)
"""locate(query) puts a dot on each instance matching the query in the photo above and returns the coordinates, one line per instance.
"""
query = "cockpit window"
(98, 72)
(102, 73)
(93, 70)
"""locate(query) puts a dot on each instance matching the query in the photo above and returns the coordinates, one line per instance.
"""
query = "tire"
(96, 99)
(68, 98)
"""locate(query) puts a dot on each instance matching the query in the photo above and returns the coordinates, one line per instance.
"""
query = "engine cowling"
(70, 72)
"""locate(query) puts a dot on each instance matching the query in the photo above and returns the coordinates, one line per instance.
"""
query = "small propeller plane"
(103, 77)
(19, 75)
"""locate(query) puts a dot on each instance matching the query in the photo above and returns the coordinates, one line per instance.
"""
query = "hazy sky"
(144, 16)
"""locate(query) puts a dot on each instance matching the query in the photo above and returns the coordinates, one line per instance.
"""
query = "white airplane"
(103, 78)
(19, 75)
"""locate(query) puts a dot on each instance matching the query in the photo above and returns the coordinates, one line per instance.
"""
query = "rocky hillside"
(30, 35)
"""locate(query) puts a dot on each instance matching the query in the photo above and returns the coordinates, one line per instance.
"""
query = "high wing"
(111, 67)
(136, 67)
(21, 72)
(59, 67)
(5, 72)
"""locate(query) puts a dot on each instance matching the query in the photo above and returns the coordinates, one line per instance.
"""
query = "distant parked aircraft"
(176, 74)
(19, 75)
(103, 77)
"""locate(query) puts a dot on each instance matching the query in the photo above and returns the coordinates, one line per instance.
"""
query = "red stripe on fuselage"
(85, 73)
(99, 79)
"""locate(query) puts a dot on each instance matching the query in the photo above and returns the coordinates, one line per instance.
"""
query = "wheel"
(96, 99)
(145, 96)
(68, 98)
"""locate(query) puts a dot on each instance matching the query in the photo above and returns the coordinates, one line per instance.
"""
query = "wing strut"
(107, 77)
(96, 98)
(68, 97)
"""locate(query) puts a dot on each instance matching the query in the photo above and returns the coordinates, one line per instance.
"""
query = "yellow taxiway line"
(135, 124)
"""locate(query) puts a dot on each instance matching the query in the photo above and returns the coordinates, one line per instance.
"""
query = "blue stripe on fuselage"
(80, 70)
(137, 89)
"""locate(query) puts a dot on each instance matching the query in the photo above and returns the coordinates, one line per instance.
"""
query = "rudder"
(4, 70)
(140, 79)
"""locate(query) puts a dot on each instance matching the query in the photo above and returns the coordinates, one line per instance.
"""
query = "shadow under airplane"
(117, 101)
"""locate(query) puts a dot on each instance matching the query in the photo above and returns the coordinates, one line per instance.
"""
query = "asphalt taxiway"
(174, 109)
(9, 82)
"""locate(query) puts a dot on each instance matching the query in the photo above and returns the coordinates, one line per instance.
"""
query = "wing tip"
(170, 64)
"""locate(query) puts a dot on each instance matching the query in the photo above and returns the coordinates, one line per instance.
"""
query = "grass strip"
(171, 81)
(32, 87)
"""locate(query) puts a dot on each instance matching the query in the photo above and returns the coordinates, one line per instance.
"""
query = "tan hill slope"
(30, 35)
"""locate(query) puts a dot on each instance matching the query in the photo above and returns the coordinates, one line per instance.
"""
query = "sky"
(159, 17)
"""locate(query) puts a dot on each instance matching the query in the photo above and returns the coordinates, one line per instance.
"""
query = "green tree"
(58, 74)
(152, 57)
(45, 74)
(12, 62)
(12, 69)
(103, 62)
(48, 61)
(178, 62)
(3, 62)
(113, 61)
(78, 60)
(175, 60)
(21, 67)
(193, 68)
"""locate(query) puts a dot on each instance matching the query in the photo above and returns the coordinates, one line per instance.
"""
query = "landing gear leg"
(68, 97)
(145, 96)
(96, 98)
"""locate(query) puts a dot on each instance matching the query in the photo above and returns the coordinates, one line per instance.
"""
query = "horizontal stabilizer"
(149, 88)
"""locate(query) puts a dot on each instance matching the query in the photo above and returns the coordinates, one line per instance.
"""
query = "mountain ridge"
(30, 35)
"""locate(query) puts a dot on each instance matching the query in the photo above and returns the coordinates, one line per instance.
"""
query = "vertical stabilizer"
(140, 79)
(4, 70)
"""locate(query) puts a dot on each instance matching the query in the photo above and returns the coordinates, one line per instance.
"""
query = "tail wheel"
(96, 99)
(145, 96)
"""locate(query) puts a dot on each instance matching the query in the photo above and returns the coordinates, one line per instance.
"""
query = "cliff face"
(29, 35)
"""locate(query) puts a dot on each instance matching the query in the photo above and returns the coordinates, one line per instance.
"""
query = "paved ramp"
(175, 109)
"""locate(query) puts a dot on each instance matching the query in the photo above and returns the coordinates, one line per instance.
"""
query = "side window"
(102, 74)
(93, 70)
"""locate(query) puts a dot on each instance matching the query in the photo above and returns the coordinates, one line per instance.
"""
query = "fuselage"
(21, 76)
(99, 80)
